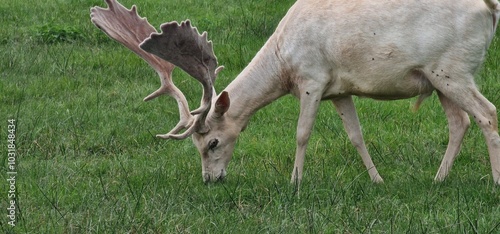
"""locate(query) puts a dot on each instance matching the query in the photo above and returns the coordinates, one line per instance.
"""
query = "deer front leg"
(458, 123)
(347, 112)
(309, 103)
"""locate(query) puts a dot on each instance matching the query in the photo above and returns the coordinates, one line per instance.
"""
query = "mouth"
(212, 177)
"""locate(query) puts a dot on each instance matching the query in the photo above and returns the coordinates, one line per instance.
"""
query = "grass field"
(87, 160)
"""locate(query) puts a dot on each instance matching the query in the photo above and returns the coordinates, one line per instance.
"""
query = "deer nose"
(214, 177)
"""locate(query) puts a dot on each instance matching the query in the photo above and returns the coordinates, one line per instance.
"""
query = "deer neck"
(259, 84)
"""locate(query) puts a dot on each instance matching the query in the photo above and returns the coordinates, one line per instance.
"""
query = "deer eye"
(212, 144)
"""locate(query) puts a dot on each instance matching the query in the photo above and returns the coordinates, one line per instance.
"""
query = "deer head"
(178, 45)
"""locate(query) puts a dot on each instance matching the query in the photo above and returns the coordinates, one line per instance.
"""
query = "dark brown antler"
(182, 45)
(128, 28)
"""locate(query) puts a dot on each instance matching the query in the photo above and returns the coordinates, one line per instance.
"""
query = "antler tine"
(182, 45)
(129, 29)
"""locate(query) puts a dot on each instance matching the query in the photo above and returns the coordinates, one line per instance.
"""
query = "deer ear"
(222, 104)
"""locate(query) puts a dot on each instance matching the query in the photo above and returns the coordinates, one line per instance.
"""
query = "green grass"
(88, 161)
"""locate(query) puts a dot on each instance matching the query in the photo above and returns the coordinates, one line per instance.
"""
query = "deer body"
(381, 50)
(331, 50)
(360, 48)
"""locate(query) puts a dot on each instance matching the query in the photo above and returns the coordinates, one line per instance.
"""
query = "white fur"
(389, 49)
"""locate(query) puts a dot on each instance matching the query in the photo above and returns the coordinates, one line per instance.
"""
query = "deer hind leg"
(458, 123)
(463, 93)
(347, 112)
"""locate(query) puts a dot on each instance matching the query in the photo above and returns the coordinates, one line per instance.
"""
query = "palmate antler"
(128, 28)
(182, 45)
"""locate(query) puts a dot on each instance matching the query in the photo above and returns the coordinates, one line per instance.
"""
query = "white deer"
(327, 50)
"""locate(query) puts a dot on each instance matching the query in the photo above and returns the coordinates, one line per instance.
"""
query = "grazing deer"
(327, 50)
